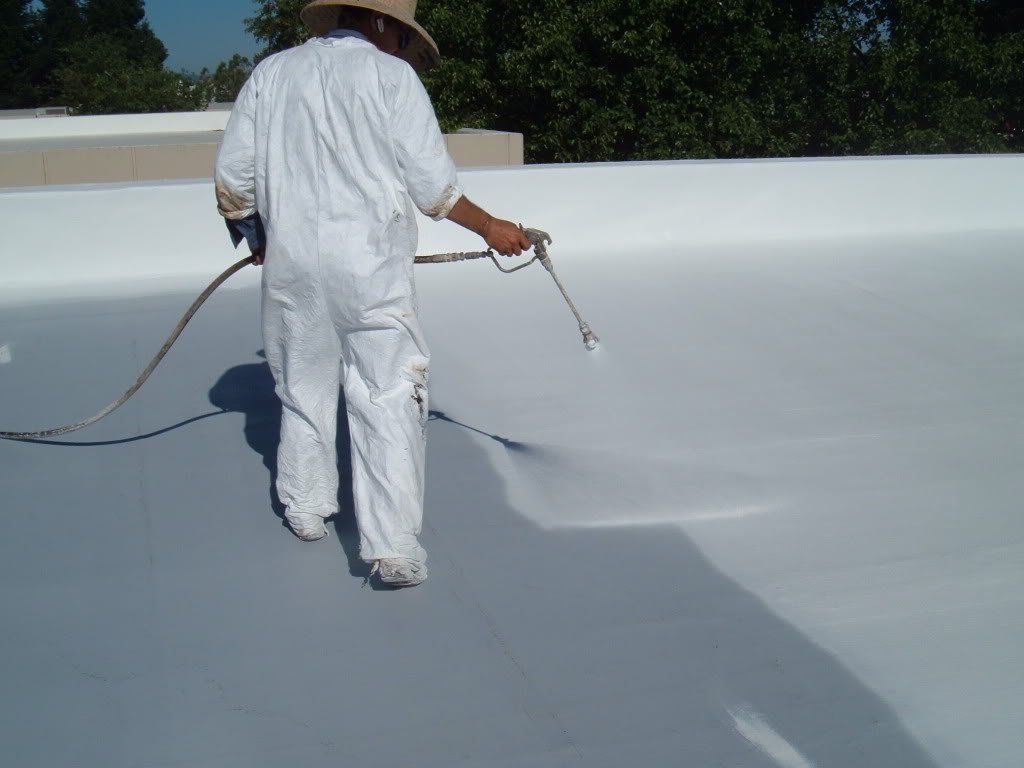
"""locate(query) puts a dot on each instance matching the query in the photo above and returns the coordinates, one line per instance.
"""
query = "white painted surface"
(837, 425)
(110, 240)
(121, 125)
(759, 733)
(811, 370)
(139, 233)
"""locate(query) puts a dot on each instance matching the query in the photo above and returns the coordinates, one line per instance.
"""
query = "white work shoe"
(306, 526)
(399, 572)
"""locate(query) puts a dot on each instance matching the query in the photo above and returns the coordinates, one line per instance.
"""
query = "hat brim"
(321, 17)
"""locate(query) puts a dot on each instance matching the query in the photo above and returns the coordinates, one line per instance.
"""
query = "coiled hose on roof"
(540, 242)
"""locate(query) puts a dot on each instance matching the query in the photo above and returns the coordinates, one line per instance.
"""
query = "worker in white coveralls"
(328, 147)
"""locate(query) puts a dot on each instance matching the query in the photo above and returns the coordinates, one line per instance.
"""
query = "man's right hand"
(260, 254)
(506, 238)
(502, 236)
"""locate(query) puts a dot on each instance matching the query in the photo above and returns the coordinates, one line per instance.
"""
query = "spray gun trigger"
(538, 237)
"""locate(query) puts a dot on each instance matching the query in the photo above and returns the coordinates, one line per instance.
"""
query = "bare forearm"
(468, 214)
(503, 236)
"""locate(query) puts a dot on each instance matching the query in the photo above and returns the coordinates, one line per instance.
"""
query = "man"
(328, 147)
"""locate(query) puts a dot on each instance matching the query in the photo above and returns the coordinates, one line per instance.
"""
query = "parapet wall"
(117, 125)
(174, 146)
(94, 240)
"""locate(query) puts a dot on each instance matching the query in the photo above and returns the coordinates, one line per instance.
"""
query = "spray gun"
(540, 241)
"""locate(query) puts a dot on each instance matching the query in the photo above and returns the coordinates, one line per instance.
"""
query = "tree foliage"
(58, 24)
(277, 24)
(625, 79)
(94, 56)
(16, 44)
(937, 82)
(613, 79)
(124, 22)
(224, 83)
(647, 79)
(99, 77)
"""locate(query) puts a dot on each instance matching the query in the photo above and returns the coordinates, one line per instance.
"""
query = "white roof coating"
(775, 521)
(108, 125)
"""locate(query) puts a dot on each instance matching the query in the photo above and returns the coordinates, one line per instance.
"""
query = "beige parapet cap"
(97, 158)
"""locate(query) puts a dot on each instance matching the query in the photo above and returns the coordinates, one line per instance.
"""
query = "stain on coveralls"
(334, 143)
(421, 377)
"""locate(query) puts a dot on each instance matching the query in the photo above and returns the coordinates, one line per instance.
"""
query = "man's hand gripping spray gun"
(540, 240)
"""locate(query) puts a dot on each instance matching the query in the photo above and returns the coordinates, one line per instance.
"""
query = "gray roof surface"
(157, 613)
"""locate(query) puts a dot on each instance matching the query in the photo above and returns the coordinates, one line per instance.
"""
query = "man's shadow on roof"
(249, 389)
(657, 646)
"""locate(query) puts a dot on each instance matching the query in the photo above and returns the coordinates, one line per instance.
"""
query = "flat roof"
(842, 476)
(774, 522)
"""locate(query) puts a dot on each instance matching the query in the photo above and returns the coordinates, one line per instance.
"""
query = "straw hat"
(321, 16)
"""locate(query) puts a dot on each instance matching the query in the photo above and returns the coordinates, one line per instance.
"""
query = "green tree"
(646, 79)
(939, 83)
(999, 17)
(16, 43)
(837, 58)
(277, 24)
(1002, 26)
(624, 79)
(58, 24)
(99, 78)
(125, 22)
(102, 57)
(227, 80)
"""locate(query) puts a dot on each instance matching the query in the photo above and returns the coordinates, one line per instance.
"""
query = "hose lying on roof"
(540, 242)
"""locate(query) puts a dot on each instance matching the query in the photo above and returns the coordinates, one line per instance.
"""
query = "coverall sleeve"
(235, 174)
(422, 154)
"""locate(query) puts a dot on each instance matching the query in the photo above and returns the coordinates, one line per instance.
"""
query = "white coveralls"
(331, 142)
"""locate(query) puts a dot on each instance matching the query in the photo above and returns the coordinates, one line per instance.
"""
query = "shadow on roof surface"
(629, 643)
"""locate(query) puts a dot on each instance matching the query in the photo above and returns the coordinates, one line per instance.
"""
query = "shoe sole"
(402, 584)
(398, 581)
(405, 577)
(309, 537)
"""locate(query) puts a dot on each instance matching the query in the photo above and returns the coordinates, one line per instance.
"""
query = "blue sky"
(201, 33)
